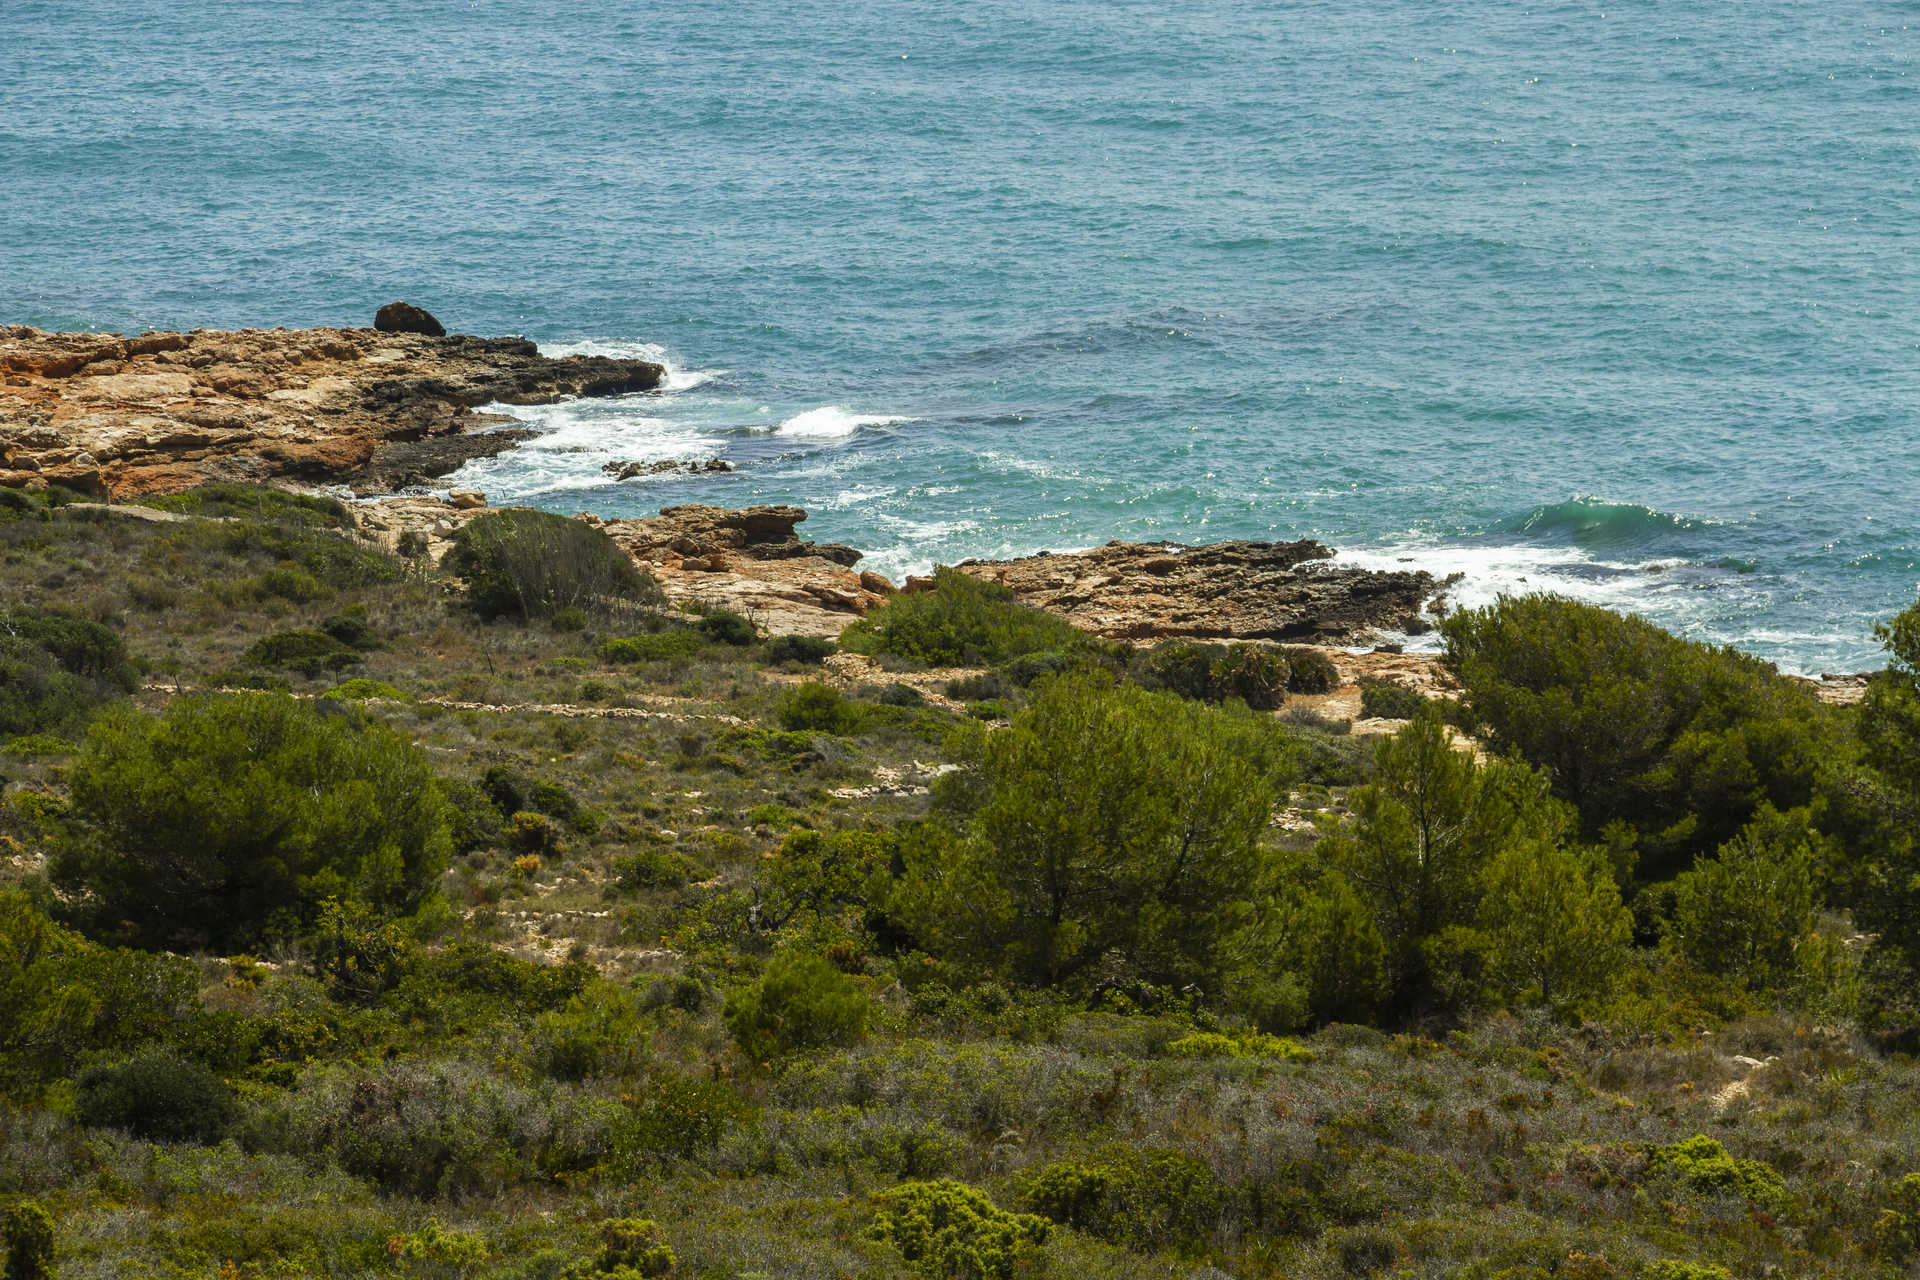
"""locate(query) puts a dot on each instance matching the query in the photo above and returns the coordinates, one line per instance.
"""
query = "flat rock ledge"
(1285, 591)
(129, 417)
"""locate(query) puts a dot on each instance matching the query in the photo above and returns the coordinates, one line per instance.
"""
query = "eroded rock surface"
(1224, 591)
(131, 416)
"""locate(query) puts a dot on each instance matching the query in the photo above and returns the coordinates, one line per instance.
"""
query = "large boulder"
(404, 317)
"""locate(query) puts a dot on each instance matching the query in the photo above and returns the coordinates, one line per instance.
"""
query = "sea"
(1616, 300)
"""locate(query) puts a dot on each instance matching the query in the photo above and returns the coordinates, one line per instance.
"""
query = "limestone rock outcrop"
(1223, 591)
(125, 417)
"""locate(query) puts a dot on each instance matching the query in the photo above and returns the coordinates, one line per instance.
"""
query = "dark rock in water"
(414, 464)
(1226, 591)
(632, 470)
(404, 317)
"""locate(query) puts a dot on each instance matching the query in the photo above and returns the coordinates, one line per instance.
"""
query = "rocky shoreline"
(372, 409)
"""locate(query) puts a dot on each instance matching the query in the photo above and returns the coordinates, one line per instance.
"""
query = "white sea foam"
(831, 422)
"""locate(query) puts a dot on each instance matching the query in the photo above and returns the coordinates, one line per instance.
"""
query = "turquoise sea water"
(1620, 300)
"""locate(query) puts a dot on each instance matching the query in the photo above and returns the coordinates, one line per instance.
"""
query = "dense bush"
(724, 626)
(800, 1002)
(1107, 821)
(55, 671)
(156, 1096)
(806, 650)
(26, 1233)
(1701, 1164)
(62, 997)
(1309, 670)
(311, 653)
(1678, 740)
(1384, 700)
(960, 621)
(820, 708)
(232, 817)
(951, 1230)
(1140, 1199)
(533, 564)
(226, 501)
(1742, 913)
(657, 646)
(1255, 674)
(1472, 878)
(630, 1249)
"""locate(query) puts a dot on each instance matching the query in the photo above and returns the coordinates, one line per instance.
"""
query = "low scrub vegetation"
(736, 967)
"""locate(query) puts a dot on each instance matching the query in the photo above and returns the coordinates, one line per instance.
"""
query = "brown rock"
(404, 317)
(166, 411)
(1224, 591)
(467, 499)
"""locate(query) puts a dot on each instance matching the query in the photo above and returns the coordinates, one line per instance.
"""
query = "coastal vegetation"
(557, 932)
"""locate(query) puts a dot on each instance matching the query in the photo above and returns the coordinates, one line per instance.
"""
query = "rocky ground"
(127, 417)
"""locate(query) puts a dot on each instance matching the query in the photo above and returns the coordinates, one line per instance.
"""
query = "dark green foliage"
(951, 1230)
(1139, 1199)
(1467, 869)
(514, 792)
(1741, 913)
(569, 620)
(820, 708)
(1031, 668)
(311, 653)
(800, 1002)
(522, 563)
(596, 1032)
(658, 646)
(630, 1249)
(987, 686)
(221, 501)
(961, 621)
(724, 626)
(1309, 670)
(56, 671)
(352, 629)
(806, 650)
(684, 1116)
(474, 821)
(26, 1233)
(1883, 802)
(231, 818)
(327, 557)
(825, 876)
(651, 868)
(1255, 674)
(1384, 700)
(156, 1096)
(1682, 741)
(62, 997)
(1107, 820)
(357, 952)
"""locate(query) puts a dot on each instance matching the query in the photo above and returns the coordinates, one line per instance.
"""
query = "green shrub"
(679, 642)
(1701, 1164)
(596, 1032)
(806, 650)
(570, 620)
(56, 671)
(650, 869)
(682, 1116)
(514, 792)
(630, 1249)
(232, 817)
(949, 1229)
(800, 1002)
(1309, 670)
(291, 583)
(1031, 668)
(311, 653)
(724, 626)
(1255, 674)
(534, 833)
(26, 1232)
(1742, 913)
(361, 689)
(1670, 1269)
(473, 820)
(1363, 1251)
(352, 629)
(1143, 1200)
(450, 1252)
(533, 564)
(1211, 1044)
(1680, 741)
(226, 501)
(961, 621)
(158, 1097)
(1896, 1233)
(355, 951)
(820, 708)
(1384, 700)
(988, 686)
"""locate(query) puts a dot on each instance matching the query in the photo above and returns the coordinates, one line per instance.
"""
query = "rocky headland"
(375, 409)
